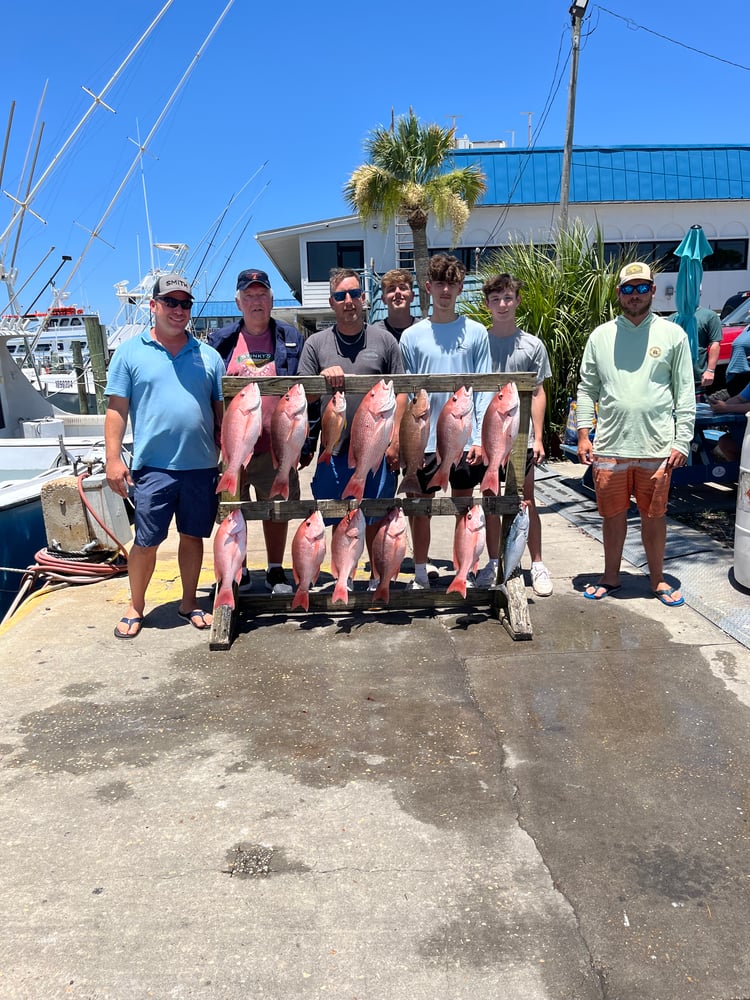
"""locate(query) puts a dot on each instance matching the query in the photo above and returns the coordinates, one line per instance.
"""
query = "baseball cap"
(252, 277)
(168, 283)
(635, 272)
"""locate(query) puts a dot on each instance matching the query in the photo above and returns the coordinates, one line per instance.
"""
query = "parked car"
(732, 302)
(732, 326)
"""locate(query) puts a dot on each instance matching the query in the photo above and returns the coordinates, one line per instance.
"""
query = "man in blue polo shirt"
(169, 384)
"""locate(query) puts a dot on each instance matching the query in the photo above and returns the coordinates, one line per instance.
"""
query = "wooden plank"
(289, 510)
(400, 598)
(512, 608)
(315, 385)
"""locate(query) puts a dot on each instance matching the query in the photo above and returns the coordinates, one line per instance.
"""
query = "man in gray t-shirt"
(349, 347)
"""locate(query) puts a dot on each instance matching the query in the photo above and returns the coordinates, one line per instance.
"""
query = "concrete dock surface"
(378, 805)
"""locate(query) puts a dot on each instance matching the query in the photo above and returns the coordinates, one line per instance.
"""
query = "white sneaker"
(416, 584)
(486, 577)
(541, 581)
(433, 573)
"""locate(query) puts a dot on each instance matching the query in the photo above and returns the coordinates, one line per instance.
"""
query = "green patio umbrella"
(691, 252)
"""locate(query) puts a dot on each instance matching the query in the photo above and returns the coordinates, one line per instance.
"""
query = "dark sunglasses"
(642, 287)
(355, 293)
(171, 303)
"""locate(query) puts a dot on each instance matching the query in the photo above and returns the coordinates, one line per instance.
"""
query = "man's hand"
(676, 459)
(474, 455)
(585, 450)
(118, 476)
(334, 376)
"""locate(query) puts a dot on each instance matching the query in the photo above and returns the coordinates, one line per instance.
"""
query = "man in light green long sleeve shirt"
(639, 371)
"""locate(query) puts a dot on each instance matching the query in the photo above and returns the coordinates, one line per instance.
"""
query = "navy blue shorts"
(330, 480)
(160, 494)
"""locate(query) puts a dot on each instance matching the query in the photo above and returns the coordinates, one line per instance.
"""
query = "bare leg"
(614, 530)
(190, 560)
(654, 538)
(421, 532)
(141, 563)
(535, 522)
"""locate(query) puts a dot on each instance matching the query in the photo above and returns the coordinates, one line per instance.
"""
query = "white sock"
(420, 572)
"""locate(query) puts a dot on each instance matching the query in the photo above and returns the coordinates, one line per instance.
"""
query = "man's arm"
(707, 378)
(115, 422)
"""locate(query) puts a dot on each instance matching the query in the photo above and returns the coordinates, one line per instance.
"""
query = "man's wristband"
(710, 371)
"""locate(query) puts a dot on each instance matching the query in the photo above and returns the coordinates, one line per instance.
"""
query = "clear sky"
(276, 110)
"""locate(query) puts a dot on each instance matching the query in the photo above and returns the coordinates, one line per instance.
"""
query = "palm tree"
(404, 178)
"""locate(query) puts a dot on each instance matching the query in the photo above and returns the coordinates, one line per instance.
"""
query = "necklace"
(349, 342)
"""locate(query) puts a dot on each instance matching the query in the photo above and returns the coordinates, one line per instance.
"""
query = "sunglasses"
(354, 293)
(642, 287)
(172, 303)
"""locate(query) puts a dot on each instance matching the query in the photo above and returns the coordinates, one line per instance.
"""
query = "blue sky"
(277, 108)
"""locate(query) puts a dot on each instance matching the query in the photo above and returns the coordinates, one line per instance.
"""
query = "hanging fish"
(515, 544)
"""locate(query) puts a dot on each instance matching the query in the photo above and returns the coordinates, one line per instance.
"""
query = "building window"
(323, 257)
(728, 254)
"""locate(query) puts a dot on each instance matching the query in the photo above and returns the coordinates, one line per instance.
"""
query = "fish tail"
(301, 599)
(490, 482)
(354, 488)
(280, 487)
(325, 456)
(410, 485)
(440, 478)
(227, 482)
(457, 586)
(224, 597)
(340, 591)
(383, 594)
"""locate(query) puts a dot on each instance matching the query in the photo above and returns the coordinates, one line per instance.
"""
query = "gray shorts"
(260, 474)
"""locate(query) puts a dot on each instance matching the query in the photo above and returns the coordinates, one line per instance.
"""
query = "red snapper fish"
(288, 433)
(412, 440)
(308, 552)
(347, 545)
(333, 425)
(230, 549)
(388, 551)
(468, 545)
(453, 434)
(240, 430)
(499, 430)
(372, 430)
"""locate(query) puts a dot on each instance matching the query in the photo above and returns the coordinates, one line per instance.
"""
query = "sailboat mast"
(97, 99)
(142, 147)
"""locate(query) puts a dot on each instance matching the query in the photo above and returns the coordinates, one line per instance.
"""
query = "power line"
(633, 25)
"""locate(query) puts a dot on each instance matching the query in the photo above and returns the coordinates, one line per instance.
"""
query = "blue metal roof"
(613, 173)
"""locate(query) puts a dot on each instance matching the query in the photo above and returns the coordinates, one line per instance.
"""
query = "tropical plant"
(568, 288)
(406, 178)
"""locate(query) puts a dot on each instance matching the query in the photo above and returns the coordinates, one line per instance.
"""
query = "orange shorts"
(617, 479)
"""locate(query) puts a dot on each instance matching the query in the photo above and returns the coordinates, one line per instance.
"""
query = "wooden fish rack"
(512, 610)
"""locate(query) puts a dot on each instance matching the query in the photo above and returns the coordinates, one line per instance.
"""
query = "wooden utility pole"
(577, 11)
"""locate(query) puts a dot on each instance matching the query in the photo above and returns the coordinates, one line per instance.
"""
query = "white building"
(641, 197)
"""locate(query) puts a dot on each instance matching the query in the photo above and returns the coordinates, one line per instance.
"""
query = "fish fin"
(340, 592)
(457, 586)
(325, 456)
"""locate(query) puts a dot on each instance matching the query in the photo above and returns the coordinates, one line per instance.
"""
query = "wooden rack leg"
(513, 610)
(223, 627)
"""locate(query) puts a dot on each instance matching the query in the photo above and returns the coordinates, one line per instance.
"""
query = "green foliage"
(568, 288)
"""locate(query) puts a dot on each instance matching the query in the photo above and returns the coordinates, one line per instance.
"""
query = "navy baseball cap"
(247, 278)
